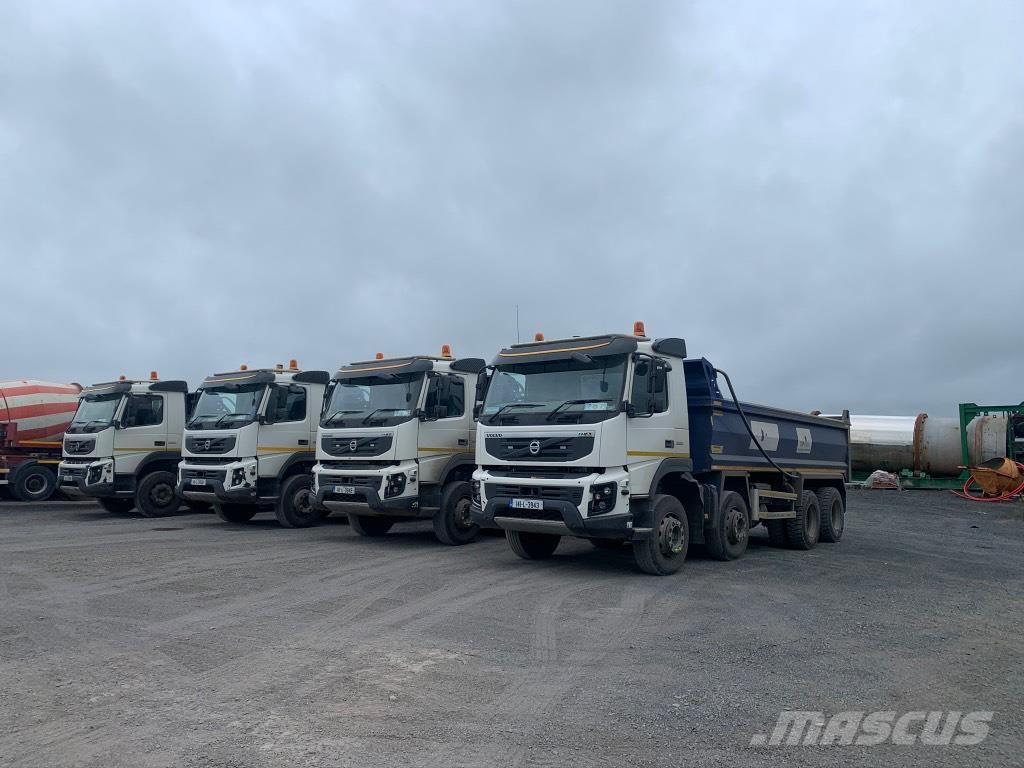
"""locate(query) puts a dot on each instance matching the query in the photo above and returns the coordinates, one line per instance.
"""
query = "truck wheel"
(802, 532)
(117, 505)
(155, 496)
(369, 525)
(452, 523)
(833, 514)
(532, 546)
(235, 513)
(34, 482)
(776, 532)
(294, 507)
(728, 541)
(664, 551)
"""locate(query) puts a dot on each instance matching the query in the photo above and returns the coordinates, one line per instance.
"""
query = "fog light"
(395, 485)
(475, 486)
(602, 498)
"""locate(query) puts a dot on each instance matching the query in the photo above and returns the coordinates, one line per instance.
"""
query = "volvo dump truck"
(396, 443)
(249, 444)
(623, 440)
(124, 443)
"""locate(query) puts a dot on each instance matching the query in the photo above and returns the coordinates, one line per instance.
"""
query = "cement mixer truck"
(33, 417)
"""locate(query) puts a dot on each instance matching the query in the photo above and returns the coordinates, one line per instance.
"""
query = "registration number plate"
(348, 490)
(527, 504)
(69, 478)
(197, 481)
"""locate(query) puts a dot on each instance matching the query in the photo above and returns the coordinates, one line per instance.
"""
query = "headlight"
(238, 476)
(93, 475)
(603, 498)
(475, 486)
(395, 485)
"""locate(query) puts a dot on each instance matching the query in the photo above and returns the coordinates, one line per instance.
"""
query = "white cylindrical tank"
(35, 410)
(923, 443)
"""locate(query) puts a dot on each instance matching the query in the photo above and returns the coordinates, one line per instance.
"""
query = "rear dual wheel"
(728, 540)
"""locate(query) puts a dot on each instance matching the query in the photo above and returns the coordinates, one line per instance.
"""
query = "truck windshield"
(558, 391)
(373, 400)
(227, 407)
(94, 413)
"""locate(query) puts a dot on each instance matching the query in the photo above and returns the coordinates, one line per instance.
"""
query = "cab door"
(446, 426)
(658, 426)
(141, 431)
(284, 427)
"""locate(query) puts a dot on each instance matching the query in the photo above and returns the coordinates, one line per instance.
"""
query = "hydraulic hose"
(966, 493)
(746, 423)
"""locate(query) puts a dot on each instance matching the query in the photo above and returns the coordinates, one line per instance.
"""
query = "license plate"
(197, 481)
(526, 504)
(69, 478)
(348, 490)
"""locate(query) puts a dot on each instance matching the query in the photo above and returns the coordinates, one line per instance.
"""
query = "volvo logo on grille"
(353, 445)
(535, 447)
(205, 445)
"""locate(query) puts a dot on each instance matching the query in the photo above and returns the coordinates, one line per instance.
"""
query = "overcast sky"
(824, 198)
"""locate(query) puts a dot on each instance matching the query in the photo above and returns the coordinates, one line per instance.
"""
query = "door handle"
(463, 441)
(303, 442)
(159, 442)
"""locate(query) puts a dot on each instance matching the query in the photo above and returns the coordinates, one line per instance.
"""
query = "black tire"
(532, 546)
(33, 482)
(776, 532)
(235, 513)
(803, 532)
(833, 514)
(613, 545)
(452, 523)
(117, 505)
(728, 540)
(155, 495)
(370, 526)
(294, 507)
(664, 551)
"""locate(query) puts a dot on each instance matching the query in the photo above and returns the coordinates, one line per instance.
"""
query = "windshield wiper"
(330, 419)
(228, 416)
(378, 410)
(508, 406)
(583, 401)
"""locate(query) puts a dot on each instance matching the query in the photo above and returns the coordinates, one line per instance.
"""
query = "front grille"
(341, 466)
(204, 460)
(356, 446)
(573, 495)
(71, 474)
(209, 444)
(539, 448)
(204, 474)
(82, 462)
(79, 446)
(558, 473)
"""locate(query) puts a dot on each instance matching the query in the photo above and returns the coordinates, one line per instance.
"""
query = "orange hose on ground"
(966, 494)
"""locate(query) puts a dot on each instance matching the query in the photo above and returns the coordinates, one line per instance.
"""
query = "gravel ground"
(187, 642)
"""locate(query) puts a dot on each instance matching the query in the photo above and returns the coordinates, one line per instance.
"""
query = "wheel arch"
(673, 478)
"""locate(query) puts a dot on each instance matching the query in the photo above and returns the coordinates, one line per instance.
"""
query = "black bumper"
(367, 501)
(214, 488)
(555, 515)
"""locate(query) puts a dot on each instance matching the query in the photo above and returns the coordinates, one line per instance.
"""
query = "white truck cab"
(248, 444)
(124, 443)
(396, 443)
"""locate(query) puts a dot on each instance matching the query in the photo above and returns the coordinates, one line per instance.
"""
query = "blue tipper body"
(720, 441)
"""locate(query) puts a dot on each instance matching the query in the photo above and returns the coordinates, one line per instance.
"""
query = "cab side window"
(650, 386)
(287, 404)
(143, 411)
(447, 392)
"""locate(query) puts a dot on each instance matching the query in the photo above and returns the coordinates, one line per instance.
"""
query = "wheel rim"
(35, 484)
(162, 494)
(837, 516)
(303, 503)
(736, 528)
(670, 536)
(463, 521)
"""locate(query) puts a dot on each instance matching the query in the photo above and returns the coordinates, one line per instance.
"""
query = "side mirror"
(629, 409)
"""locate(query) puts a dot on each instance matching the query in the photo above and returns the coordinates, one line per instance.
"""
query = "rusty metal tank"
(923, 443)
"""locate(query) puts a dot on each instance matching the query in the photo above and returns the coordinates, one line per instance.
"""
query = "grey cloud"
(823, 198)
